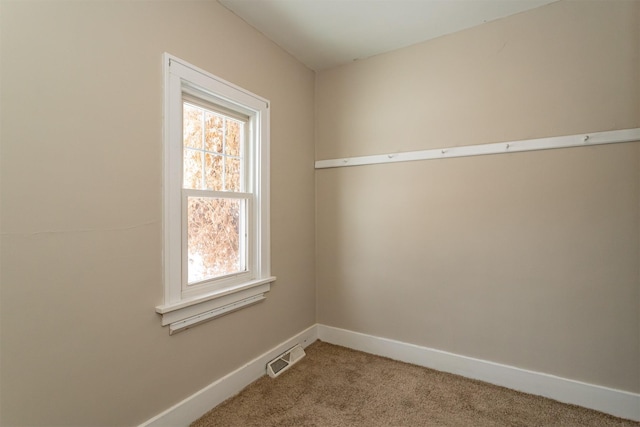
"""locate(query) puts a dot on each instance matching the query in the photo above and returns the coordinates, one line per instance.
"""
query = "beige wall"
(526, 259)
(81, 208)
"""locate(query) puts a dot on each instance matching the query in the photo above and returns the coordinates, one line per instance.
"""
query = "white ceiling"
(326, 33)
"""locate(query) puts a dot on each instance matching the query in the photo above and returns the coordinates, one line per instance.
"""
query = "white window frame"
(187, 306)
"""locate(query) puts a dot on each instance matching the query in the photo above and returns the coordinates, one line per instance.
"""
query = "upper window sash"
(229, 149)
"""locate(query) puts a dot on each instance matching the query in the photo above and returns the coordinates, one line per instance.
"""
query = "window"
(216, 197)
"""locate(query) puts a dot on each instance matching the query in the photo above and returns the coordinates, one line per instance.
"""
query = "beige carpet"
(336, 386)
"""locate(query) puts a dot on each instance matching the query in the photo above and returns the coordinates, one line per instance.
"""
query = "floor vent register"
(286, 360)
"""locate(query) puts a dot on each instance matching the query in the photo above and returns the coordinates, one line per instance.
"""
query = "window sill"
(185, 314)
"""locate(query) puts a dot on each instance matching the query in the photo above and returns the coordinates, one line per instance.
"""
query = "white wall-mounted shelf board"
(582, 140)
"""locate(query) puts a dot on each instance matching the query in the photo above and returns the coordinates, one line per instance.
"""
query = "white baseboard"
(615, 402)
(190, 409)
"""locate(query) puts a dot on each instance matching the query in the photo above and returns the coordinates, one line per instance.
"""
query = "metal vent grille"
(278, 365)
(285, 361)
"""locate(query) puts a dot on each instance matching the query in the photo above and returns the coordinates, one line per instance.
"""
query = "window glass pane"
(192, 169)
(213, 237)
(232, 137)
(212, 150)
(214, 172)
(192, 126)
(214, 125)
(232, 174)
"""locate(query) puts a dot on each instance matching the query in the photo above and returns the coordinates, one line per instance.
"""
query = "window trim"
(185, 308)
